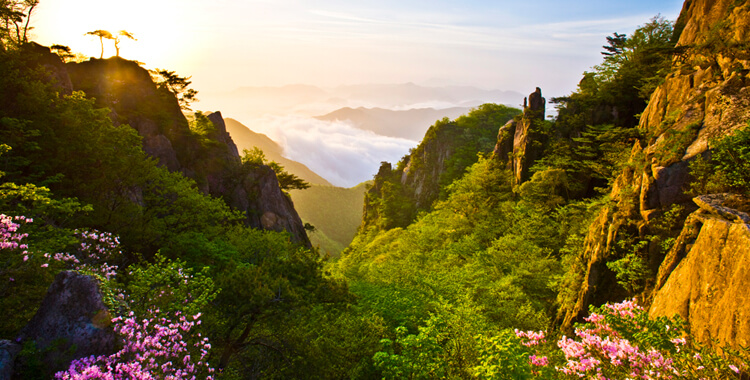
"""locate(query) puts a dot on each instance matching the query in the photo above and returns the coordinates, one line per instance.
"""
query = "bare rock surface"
(72, 322)
(710, 288)
(8, 352)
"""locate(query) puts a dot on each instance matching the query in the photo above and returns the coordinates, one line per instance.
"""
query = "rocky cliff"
(519, 141)
(211, 159)
(706, 95)
(705, 279)
(421, 178)
(72, 322)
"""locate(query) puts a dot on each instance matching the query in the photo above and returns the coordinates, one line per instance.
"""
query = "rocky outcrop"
(8, 352)
(212, 159)
(427, 163)
(519, 143)
(707, 95)
(709, 286)
(72, 322)
(272, 209)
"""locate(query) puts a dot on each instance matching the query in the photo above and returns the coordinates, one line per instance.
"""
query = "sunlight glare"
(162, 28)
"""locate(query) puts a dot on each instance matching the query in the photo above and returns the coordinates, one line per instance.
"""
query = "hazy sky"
(224, 44)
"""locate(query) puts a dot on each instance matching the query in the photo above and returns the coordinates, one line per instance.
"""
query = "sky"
(224, 45)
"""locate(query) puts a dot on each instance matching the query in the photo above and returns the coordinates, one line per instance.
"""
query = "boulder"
(72, 322)
(8, 352)
(709, 287)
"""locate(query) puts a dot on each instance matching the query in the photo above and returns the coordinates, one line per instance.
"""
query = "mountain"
(447, 150)
(335, 212)
(702, 101)
(408, 124)
(631, 207)
(410, 95)
(246, 103)
(247, 139)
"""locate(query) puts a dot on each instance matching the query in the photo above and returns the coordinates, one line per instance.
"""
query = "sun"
(160, 28)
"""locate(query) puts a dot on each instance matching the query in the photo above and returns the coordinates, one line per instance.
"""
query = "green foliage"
(547, 189)
(15, 17)
(474, 134)
(632, 271)
(204, 129)
(287, 181)
(448, 149)
(177, 85)
(168, 286)
(730, 155)
(617, 90)
(420, 355)
(675, 142)
(502, 357)
(727, 168)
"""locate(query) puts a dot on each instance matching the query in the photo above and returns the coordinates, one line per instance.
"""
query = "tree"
(176, 85)
(102, 34)
(15, 15)
(287, 181)
(122, 33)
(63, 52)
(616, 44)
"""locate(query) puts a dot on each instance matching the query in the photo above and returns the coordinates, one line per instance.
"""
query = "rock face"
(426, 164)
(707, 95)
(8, 352)
(272, 209)
(519, 141)
(709, 287)
(71, 323)
(134, 99)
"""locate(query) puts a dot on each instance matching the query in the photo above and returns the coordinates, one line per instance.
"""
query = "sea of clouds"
(342, 154)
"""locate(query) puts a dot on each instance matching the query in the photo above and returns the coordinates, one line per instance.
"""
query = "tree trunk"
(232, 346)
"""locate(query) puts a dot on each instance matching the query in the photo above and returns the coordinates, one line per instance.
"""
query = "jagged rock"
(433, 153)
(706, 96)
(8, 352)
(709, 288)
(504, 147)
(72, 322)
(518, 142)
(536, 104)
(717, 204)
(272, 209)
(526, 140)
(51, 62)
(681, 247)
(134, 99)
(223, 136)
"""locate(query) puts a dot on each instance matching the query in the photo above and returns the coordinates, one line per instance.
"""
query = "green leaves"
(287, 181)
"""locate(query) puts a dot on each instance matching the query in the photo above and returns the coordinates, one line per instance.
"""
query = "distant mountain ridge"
(308, 100)
(335, 212)
(245, 138)
(409, 124)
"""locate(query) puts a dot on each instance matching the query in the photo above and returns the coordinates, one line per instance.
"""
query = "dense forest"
(138, 243)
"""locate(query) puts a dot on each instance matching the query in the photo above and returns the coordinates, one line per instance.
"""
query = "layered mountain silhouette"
(408, 124)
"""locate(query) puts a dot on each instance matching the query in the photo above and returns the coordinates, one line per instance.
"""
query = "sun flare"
(158, 28)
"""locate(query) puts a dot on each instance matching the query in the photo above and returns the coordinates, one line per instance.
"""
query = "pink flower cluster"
(601, 344)
(91, 256)
(94, 251)
(153, 349)
(9, 237)
(534, 337)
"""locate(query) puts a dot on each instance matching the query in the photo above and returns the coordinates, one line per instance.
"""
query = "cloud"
(340, 153)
